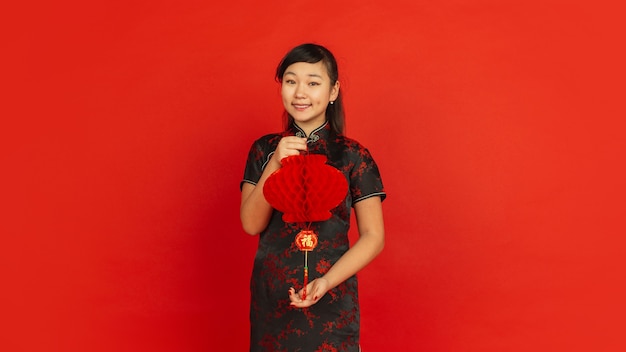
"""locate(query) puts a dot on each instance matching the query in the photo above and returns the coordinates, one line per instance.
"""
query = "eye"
(312, 84)
(289, 81)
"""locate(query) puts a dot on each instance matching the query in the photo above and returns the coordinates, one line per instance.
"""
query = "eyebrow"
(310, 74)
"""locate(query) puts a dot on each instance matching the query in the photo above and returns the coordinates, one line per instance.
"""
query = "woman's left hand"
(314, 291)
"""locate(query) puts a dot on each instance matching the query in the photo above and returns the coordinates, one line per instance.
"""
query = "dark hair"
(314, 53)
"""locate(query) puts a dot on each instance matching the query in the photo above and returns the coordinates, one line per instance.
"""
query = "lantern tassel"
(306, 274)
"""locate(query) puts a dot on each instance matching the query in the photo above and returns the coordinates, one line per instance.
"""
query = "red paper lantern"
(305, 188)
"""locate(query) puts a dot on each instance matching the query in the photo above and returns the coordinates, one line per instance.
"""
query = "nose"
(300, 91)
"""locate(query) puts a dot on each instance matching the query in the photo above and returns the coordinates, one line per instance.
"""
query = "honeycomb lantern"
(305, 188)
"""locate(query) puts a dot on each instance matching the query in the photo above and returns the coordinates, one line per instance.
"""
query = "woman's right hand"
(288, 146)
(255, 211)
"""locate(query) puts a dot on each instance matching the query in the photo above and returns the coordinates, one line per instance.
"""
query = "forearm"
(369, 218)
(255, 211)
(356, 258)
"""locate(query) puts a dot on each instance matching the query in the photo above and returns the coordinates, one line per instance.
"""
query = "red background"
(497, 127)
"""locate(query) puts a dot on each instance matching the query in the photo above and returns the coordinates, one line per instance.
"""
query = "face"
(306, 92)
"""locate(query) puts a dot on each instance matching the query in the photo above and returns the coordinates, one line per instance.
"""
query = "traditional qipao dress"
(332, 324)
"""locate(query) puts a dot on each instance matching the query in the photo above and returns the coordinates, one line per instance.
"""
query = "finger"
(294, 139)
(293, 296)
(296, 145)
(319, 289)
(297, 301)
(302, 303)
(315, 294)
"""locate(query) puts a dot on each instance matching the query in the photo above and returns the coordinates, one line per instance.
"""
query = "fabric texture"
(332, 324)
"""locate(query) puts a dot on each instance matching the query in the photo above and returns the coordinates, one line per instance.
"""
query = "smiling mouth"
(300, 106)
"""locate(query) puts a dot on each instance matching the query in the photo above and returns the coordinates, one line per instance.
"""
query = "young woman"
(327, 318)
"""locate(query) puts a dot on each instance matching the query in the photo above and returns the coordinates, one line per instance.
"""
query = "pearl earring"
(332, 102)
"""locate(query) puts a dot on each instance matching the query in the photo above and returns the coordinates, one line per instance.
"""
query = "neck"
(309, 127)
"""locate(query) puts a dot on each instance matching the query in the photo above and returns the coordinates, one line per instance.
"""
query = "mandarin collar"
(321, 132)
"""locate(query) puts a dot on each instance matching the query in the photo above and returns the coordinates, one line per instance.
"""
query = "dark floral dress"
(332, 324)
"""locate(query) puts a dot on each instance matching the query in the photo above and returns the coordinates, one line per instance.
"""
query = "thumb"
(317, 292)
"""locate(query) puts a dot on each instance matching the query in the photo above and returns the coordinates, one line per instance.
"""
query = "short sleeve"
(365, 180)
(260, 153)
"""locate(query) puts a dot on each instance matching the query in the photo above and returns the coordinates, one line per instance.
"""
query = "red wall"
(497, 127)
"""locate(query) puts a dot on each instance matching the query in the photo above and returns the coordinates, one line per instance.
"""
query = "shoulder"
(268, 141)
(347, 141)
(351, 146)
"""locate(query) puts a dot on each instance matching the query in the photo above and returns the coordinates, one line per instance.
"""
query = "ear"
(334, 91)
